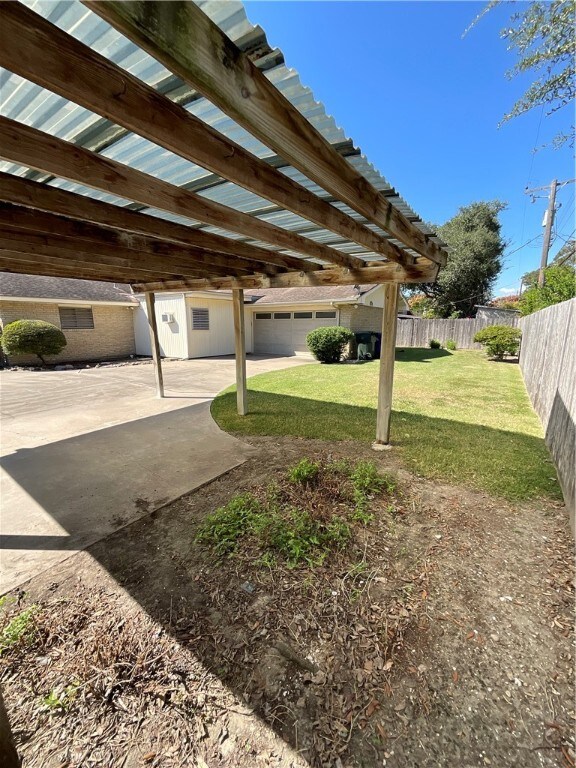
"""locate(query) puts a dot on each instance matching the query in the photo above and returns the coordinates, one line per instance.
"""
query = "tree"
(543, 37)
(559, 285)
(566, 255)
(474, 261)
(32, 337)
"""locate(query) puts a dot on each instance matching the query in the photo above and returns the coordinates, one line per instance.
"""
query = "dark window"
(263, 315)
(282, 315)
(200, 319)
(76, 318)
(302, 315)
(325, 314)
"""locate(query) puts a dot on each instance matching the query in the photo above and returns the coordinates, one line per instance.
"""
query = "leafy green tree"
(474, 261)
(32, 337)
(542, 34)
(559, 285)
(565, 256)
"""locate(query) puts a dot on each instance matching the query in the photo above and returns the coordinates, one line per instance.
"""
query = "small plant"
(305, 472)
(223, 528)
(61, 699)
(434, 344)
(451, 345)
(328, 344)
(499, 340)
(20, 629)
(367, 481)
(32, 337)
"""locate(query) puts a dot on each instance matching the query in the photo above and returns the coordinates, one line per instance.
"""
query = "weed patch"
(300, 521)
(17, 630)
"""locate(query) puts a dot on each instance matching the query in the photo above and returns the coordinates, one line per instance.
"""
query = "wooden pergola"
(193, 240)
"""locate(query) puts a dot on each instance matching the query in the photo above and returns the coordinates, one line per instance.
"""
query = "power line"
(505, 256)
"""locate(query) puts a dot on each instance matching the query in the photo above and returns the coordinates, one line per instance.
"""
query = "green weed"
(305, 472)
(19, 629)
(61, 699)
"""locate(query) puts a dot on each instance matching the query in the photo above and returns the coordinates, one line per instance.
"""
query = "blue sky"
(423, 104)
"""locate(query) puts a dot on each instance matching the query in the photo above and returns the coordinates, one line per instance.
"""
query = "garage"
(284, 333)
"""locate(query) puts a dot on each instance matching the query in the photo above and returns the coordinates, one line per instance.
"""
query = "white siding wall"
(173, 337)
(219, 340)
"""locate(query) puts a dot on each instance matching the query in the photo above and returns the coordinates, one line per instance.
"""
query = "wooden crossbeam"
(424, 271)
(31, 194)
(27, 146)
(85, 254)
(156, 253)
(54, 262)
(41, 52)
(183, 38)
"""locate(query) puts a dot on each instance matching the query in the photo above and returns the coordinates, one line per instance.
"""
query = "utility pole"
(548, 221)
(550, 213)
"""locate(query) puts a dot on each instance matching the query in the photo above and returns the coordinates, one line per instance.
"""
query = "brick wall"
(361, 319)
(111, 338)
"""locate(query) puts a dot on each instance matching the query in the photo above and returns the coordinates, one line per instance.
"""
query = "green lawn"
(457, 416)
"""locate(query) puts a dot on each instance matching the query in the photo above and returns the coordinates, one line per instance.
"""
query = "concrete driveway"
(87, 452)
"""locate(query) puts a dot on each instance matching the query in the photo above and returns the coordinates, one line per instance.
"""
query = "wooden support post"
(387, 352)
(240, 350)
(156, 358)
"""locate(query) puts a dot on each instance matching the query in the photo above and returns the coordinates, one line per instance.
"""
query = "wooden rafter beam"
(27, 146)
(423, 271)
(92, 257)
(183, 38)
(52, 262)
(31, 194)
(26, 223)
(41, 52)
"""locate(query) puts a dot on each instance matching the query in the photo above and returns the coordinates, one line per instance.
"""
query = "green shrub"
(32, 337)
(434, 344)
(328, 344)
(451, 345)
(305, 472)
(499, 340)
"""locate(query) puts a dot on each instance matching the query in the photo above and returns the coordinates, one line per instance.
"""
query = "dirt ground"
(451, 644)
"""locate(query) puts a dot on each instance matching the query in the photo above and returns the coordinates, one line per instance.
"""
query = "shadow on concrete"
(94, 483)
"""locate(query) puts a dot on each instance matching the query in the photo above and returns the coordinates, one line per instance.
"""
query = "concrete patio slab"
(87, 452)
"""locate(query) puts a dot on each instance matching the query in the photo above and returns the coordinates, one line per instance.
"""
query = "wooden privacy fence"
(548, 363)
(417, 331)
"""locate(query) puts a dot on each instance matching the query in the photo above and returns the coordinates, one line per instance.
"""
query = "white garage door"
(284, 333)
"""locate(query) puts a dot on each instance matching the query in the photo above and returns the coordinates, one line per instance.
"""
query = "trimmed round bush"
(499, 340)
(434, 344)
(328, 344)
(32, 337)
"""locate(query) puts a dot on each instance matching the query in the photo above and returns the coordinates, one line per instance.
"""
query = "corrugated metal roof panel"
(35, 106)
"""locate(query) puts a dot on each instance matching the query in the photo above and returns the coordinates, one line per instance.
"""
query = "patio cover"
(167, 145)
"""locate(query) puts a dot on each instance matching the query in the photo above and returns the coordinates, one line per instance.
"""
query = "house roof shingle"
(306, 295)
(40, 287)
